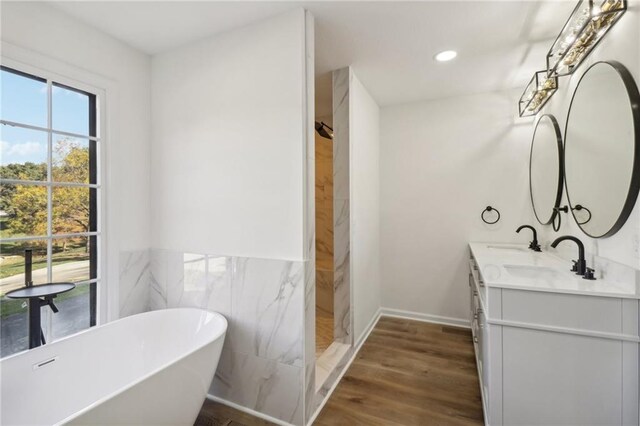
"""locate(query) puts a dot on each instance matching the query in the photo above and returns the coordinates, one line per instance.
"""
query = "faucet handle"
(574, 268)
(48, 301)
(588, 275)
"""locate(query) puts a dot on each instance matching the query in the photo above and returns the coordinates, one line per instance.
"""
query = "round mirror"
(602, 149)
(545, 169)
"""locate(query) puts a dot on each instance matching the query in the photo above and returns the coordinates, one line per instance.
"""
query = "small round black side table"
(39, 295)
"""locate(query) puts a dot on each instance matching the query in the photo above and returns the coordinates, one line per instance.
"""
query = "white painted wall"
(443, 161)
(364, 137)
(42, 37)
(228, 133)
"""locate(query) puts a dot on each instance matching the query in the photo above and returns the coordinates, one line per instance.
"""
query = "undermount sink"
(532, 272)
(507, 248)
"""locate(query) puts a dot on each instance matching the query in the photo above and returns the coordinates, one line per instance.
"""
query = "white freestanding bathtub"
(148, 369)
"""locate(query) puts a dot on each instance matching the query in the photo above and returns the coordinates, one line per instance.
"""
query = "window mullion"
(43, 129)
(49, 198)
(49, 180)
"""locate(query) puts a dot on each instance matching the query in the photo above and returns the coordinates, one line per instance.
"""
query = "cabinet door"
(556, 378)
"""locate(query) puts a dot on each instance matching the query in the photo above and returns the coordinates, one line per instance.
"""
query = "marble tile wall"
(134, 282)
(309, 320)
(341, 209)
(309, 339)
(262, 363)
(339, 362)
(309, 325)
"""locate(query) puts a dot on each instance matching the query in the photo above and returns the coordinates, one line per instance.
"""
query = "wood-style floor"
(409, 373)
(406, 373)
(216, 414)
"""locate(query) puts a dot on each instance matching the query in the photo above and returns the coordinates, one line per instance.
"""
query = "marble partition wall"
(134, 282)
(309, 321)
(262, 363)
(341, 208)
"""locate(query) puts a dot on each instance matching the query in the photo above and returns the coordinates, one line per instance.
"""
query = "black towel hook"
(556, 214)
(490, 209)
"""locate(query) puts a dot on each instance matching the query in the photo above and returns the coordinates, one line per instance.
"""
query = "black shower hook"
(490, 209)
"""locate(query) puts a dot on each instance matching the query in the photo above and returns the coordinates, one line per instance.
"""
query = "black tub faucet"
(533, 245)
(28, 267)
(580, 265)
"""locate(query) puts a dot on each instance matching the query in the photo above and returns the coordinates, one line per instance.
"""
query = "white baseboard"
(368, 328)
(361, 341)
(248, 410)
(418, 316)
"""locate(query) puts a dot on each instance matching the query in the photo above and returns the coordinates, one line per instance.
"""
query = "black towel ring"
(579, 207)
(490, 209)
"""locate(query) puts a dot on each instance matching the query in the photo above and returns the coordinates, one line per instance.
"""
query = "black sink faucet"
(533, 245)
(579, 266)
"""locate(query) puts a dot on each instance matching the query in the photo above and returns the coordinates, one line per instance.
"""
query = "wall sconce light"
(584, 29)
(537, 93)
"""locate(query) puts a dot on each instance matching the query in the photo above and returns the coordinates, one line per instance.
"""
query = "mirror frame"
(634, 184)
(560, 185)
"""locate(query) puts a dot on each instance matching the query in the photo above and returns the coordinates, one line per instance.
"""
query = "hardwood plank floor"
(216, 414)
(409, 373)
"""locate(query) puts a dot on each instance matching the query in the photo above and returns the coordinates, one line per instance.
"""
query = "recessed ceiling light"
(446, 55)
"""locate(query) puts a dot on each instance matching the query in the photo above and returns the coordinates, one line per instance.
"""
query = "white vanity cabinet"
(549, 354)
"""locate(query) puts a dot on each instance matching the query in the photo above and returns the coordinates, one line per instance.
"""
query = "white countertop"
(515, 266)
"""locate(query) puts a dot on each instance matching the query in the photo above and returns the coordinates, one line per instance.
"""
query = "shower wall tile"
(134, 282)
(324, 291)
(260, 384)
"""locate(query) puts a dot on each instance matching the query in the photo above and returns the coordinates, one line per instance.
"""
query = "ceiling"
(390, 45)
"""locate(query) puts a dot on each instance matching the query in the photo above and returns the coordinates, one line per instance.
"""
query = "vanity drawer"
(569, 311)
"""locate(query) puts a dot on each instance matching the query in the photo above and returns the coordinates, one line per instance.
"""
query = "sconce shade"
(584, 29)
(537, 93)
